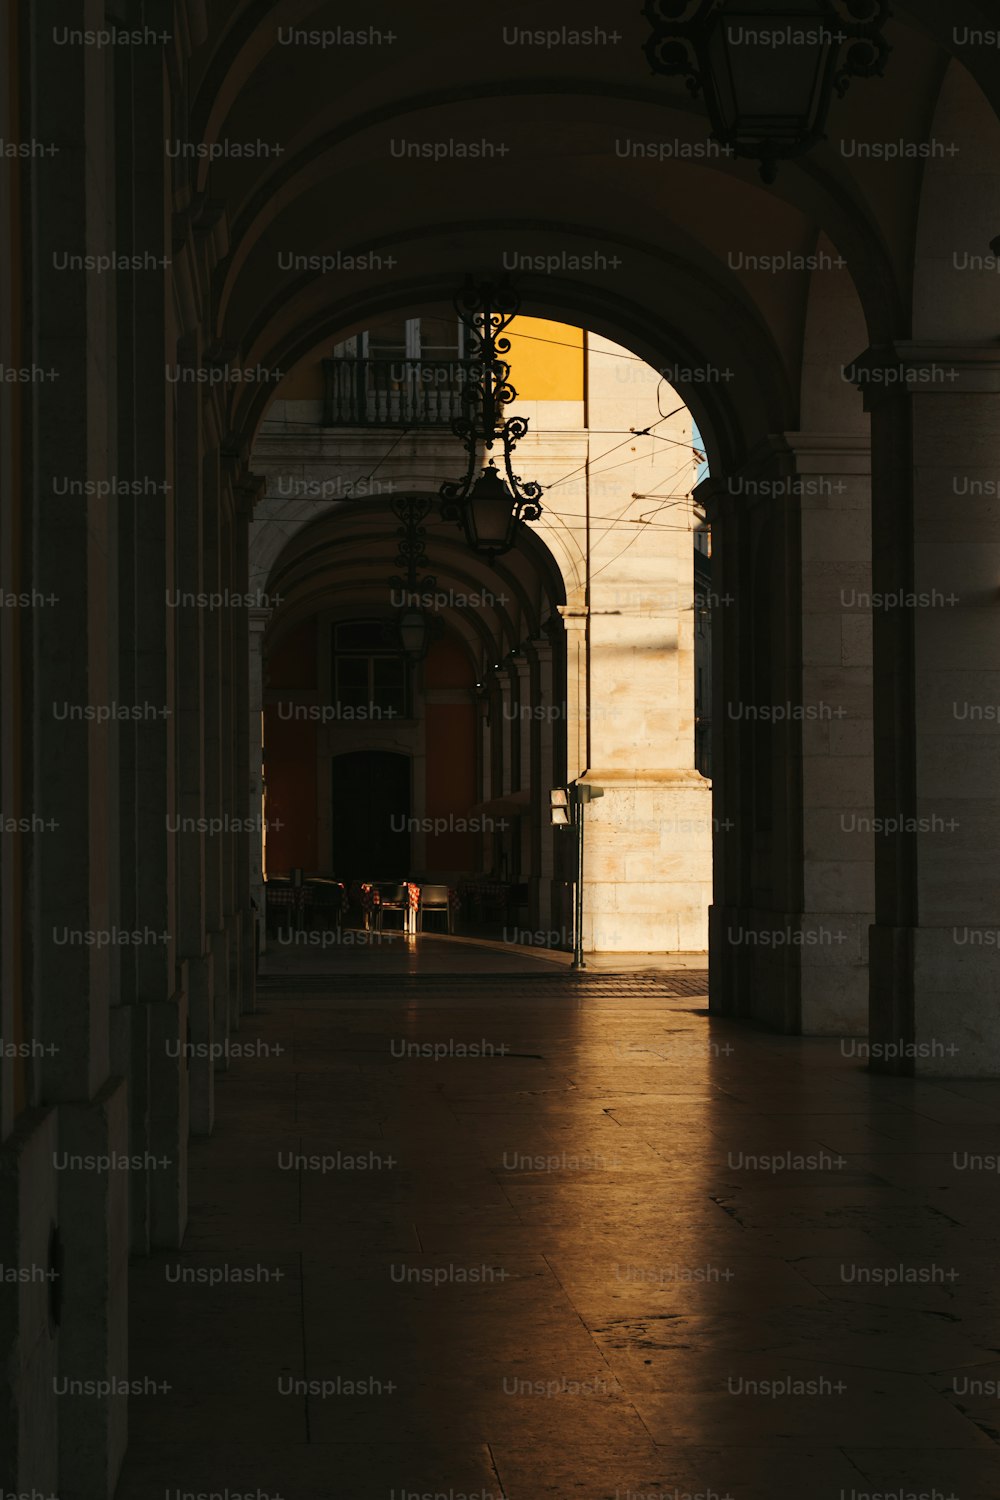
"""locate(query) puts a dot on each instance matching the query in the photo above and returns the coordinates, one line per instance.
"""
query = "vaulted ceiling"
(651, 252)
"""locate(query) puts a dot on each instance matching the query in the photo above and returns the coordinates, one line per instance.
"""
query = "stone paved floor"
(559, 1270)
(350, 951)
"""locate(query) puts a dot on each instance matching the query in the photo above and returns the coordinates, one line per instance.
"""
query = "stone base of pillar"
(222, 1000)
(169, 1124)
(953, 975)
(252, 935)
(648, 864)
(834, 978)
(760, 946)
(199, 987)
(242, 963)
(890, 980)
(93, 1334)
(129, 1036)
(802, 974)
(29, 1428)
(234, 951)
(728, 973)
(258, 893)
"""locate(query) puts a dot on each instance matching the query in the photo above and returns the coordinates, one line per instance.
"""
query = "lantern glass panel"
(765, 68)
(490, 508)
(413, 632)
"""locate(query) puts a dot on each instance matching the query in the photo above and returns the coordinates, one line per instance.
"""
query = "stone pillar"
(245, 740)
(505, 702)
(229, 961)
(732, 839)
(190, 743)
(508, 713)
(832, 489)
(257, 627)
(792, 717)
(28, 1180)
(522, 728)
(647, 863)
(216, 742)
(484, 702)
(149, 1028)
(577, 695)
(935, 949)
(71, 874)
(543, 780)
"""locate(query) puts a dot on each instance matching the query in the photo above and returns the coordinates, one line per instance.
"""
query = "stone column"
(647, 863)
(728, 973)
(832, 490)
(149, 1028)
(577, 695)
(190, 743)
(78, 1441)
(216, 742)
(935, 949)
(244, 740)
(485, 771)
(499, 771)
(508, 706)
(505, 769)
(792, 717)
(543, 780)
(257, 627)
(524, 823)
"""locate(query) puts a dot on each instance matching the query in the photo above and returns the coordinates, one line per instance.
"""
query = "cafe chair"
(392, 898)
(325, 901)
(435, 898)
(281, 906)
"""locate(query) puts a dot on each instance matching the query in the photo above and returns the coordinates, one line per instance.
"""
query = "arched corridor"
(749, 600)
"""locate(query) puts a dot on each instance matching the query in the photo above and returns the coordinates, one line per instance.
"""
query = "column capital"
(942, 368)
(573, 617)
(830, 452)
(248, 488)
(776, 467)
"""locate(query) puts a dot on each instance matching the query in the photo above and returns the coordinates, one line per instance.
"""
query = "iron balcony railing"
(395, 392)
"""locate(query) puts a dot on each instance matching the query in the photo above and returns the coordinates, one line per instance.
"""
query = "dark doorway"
(371, 812)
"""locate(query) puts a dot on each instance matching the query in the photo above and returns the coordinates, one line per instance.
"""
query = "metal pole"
(578, 962)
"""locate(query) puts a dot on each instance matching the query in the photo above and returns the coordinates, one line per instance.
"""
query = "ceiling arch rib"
(349, 555)
(304, 208)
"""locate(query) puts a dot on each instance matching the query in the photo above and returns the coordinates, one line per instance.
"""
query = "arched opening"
(571, 656)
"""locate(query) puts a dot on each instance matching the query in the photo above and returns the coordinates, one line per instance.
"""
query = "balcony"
(395, 392)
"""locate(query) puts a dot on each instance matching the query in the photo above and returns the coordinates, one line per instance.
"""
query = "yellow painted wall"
(546, 360)
(546, 364)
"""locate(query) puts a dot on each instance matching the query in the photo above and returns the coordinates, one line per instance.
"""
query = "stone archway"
(583, 635)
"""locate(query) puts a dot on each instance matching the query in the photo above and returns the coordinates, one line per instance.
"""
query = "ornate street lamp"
(768, 68)
(412, 627)
(489, 507)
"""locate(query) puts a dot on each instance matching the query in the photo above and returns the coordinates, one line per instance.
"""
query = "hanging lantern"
(489, 507)
(768, 68)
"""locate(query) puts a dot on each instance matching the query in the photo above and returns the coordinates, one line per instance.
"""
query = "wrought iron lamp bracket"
(411, 512)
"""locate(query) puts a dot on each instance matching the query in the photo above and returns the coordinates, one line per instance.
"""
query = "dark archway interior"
(699, 1217)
